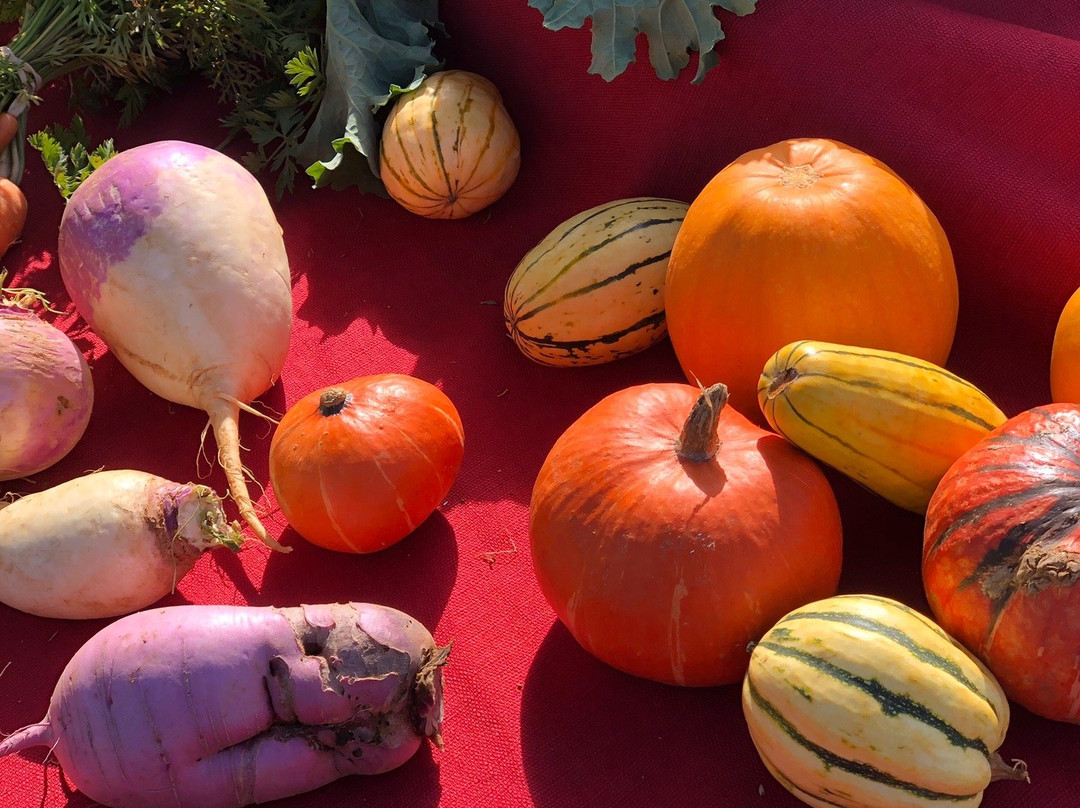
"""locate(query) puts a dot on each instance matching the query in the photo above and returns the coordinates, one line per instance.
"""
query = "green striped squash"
(892, 422)
(592, 290)
(861, 702)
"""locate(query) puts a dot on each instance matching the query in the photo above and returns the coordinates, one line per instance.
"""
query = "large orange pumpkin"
(449, 147)
(1065, 355)
(806, 239)
(668, 532)
(358, 466)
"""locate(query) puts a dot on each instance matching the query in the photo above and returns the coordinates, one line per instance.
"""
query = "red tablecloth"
(974, 102)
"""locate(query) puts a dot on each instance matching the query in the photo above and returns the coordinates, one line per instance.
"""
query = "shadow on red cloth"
(416, 575)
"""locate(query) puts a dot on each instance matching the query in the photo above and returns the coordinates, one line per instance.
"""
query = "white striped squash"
(449, 148)
(592, 290)
(892, 422)
(858, 701)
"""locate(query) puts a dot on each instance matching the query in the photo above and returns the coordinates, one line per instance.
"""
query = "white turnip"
(105, 544)
(173, 255)
(46, 393)
(223, 706)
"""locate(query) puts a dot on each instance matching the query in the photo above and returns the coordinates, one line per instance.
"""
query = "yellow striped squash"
(449, 148)
(890, 421)
(859, 701)
(592, 290)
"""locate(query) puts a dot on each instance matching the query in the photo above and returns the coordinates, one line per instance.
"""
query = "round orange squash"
(1065, 355)
(806, 239)
(358, 466)
(449, 147)
(668, 532)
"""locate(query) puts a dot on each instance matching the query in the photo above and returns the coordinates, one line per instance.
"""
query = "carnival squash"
(858, 701)
(806, 239)
(1001, 557)
(667, 532)
(592, 290)
(358, 466)
(449, 148)
(891, 422)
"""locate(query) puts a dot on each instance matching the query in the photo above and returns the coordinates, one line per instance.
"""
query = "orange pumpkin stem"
(332, 401)
(698, 440)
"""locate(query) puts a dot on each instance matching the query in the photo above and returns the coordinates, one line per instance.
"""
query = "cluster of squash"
(807, 288)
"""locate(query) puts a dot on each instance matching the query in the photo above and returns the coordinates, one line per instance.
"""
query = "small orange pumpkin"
(358, 466)
(449, 147)
(806, 239)
(668, 532)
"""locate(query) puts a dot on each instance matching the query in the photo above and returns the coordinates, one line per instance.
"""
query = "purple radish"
(174, 257)
(224, 706)
(106, 544)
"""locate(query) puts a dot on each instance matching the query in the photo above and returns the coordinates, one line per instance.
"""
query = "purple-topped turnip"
(106, 544)
(224, 706)
(173, 255)
(46, 393)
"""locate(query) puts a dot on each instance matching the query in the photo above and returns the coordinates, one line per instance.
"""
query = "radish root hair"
(224, 411)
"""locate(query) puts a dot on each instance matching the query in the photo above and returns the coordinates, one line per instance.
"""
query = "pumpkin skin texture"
(358, 466)
(1065, 354)
(1001, 557)
(806, 239)
(858, 701)
(667, 532)
(449, 148)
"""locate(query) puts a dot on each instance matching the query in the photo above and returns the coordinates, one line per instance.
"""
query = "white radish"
(106, 544)
(172, 253)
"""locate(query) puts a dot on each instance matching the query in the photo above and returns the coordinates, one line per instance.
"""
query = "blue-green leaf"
(374, 49)
(672, 28)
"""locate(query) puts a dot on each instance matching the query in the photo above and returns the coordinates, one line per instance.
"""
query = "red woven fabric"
(973, 102)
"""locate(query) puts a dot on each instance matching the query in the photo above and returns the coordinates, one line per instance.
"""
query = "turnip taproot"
(224, 706)
(46, 393)
(173, 255)
(105, 544)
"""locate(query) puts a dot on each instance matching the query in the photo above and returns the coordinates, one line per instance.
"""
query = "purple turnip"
(46, 393)
(224, 706)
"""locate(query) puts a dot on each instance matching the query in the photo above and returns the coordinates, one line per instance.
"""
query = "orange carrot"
(12, 213)
(9, 125)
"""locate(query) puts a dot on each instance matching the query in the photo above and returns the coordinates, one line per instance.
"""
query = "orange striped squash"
(449, 147)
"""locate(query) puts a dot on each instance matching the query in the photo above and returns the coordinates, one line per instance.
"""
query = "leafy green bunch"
(303, 79)
(125, 50)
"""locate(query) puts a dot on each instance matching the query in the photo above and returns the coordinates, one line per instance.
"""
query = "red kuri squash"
(668, 532)
(1001, 557)
(805, 239)
(358, 466)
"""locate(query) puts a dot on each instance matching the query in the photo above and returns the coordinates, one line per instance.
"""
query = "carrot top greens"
(303, 80)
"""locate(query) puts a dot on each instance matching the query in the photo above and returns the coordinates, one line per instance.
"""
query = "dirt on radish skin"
(106, 544)
(173, 255)
(260, 703)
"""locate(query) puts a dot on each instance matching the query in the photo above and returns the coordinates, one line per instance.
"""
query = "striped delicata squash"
(592, 290)
(892, 422)
(449, 148)
(859, 701)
